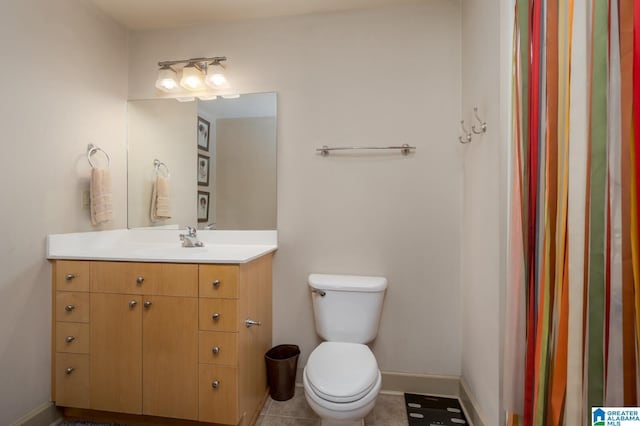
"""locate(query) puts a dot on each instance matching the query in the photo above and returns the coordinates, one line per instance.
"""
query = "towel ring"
(92, 149)
(157, 164)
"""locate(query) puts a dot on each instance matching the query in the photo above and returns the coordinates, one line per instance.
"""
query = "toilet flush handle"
(322, 293)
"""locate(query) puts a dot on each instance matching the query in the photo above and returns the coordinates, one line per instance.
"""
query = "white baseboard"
(470, 405)
(44, 415)
(447, 386)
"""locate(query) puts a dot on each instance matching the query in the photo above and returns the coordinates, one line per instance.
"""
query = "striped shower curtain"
(573, 292)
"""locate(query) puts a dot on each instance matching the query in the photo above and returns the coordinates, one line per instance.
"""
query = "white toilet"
(341, 378)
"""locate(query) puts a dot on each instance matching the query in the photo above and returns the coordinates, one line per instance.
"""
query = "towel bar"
(404, 148)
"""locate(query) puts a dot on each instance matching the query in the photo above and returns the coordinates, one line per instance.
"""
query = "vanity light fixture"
(215, 76)
(192, 75)
(167, 79)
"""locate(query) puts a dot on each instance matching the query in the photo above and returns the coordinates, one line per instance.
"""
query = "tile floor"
(389, 411)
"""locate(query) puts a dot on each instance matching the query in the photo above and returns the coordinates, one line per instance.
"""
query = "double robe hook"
(482, 125)
(477, 129)
(467, 135)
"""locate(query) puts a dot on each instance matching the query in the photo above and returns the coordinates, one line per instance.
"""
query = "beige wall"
(376, 77)
(64, 85)
(486, 38)
(245, 169)
(151, 136)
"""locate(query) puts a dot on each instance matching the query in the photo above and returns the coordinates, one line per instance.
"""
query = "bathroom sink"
(210, 252)
(161, 246)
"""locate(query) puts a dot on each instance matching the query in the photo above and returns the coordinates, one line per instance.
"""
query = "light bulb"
(167, 79)
(215, 76)
(191, 78)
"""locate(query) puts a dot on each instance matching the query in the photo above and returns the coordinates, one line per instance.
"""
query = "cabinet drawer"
(123, 277)
(219, 281)
(218, 404)
(218, 314)
(72, 337)
(161, 279)
(72, 306)
(218, 348)
(72, 380)
(72, 275)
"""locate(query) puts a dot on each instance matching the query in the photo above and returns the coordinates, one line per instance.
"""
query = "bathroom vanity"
(166, 337)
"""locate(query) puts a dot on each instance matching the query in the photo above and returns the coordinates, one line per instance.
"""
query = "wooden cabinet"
(161, 339)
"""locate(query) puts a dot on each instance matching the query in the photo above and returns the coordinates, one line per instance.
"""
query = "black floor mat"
(427, 410)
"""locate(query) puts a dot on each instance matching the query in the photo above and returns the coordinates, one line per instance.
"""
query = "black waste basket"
(282, 364)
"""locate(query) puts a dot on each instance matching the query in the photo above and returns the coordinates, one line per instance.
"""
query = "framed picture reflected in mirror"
(203, 206)
(204, 128)
(203, 170)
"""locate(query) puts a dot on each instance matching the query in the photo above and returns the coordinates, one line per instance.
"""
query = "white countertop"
(162, 245)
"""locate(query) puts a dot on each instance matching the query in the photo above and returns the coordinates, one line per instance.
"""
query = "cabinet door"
(258, 276)
(170, 356)
(116, 353)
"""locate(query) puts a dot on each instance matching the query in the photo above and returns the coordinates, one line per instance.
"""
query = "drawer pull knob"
(69, 277)
(69, 308)
(140, 280)
(216, 316)
(215, 384)
(147, 304)
(216, 350)
(132, 303)
(69, 339)
(251, 323)
(68, 370)
(216, 283)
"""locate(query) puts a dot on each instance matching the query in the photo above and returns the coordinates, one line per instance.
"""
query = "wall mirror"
(210, 163)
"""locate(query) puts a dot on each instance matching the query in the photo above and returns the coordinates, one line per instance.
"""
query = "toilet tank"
(351, 306)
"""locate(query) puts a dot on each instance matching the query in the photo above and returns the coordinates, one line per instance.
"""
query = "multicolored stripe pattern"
(559, 173)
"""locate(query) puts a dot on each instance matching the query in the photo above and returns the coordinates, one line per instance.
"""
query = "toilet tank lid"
(347, 282)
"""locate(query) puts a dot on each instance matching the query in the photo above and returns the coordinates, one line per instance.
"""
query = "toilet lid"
(341, 372)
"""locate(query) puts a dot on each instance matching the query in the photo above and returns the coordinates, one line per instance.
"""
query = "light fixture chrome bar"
(215, 59)
(404, 148)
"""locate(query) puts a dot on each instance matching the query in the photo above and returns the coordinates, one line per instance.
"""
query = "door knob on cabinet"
(140, 280)
(69, 308)
(251, 323)
(216, 283)
(68, 370)
(69, 277)
(215, 384)
(147, 304)
(215, 316)
(132, 303)
(69, 339)
(216, 350)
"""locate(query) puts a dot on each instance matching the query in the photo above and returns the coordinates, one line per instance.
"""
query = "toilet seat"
(341, 372)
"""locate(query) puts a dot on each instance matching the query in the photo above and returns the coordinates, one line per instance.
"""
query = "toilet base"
(326, 422)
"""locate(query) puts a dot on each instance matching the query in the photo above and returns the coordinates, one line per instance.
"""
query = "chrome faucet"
(190, 239)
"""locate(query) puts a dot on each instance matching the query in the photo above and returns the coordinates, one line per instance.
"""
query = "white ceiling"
(140, 15)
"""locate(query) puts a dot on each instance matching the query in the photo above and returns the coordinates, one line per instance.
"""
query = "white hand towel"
(160, 201)
(101, 196)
